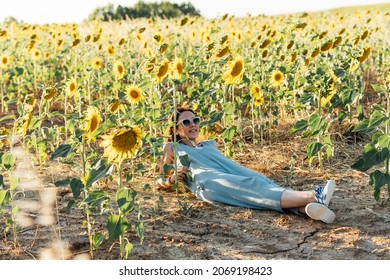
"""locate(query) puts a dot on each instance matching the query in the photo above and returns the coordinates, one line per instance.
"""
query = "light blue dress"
(218, 179)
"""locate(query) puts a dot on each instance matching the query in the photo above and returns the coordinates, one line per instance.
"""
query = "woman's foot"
(319, 211)
(324, 194)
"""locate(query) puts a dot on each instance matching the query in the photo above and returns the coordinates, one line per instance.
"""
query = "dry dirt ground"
(220, 232)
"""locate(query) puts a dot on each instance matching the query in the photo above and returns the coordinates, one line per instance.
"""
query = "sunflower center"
(278, 77)
(162, 71)
(125, 142)
(120, 69)
(5, 60)
(179, 68)
(72, 87)
(93, 124)
(134, 94)
(237, 69)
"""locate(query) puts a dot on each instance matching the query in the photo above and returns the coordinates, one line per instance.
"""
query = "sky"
(75, 11)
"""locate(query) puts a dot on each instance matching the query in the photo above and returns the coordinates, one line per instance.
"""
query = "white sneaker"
(324, 193)
(319, 211)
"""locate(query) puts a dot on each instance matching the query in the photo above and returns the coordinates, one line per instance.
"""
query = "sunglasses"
(187, 122)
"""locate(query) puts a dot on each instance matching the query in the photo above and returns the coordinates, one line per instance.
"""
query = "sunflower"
(163, 48)
(121, 42)
(134, 94)
(365, 54)
(50, 94)
(255, 90)
(114, 107)
(60, 43)
(293, 57)
(4, 61)
(337, 41)
(119, 70)
(110, 50)
(277, 78)
(327, 46)
(162, 70)
(290, 44)
(149, 66)
(315, 53)
(26, 123)
(158, 38)
(36, 54)
(234, 71)
(259, 100)
(4, 136)
(177, 68)
(76, 42)
(121, 144)
(92, 122)
(183, 21)
(3, 34)
(222, 52)
(97, 63)
(71, 87)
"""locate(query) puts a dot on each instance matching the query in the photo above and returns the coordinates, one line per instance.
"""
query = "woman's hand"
(181, 175)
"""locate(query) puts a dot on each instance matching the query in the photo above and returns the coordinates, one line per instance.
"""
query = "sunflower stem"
(86, 209)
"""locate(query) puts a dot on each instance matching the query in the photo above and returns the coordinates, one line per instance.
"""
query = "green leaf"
(377, 118)
(100, 170)
(96, 198)
(329, 147)
(128, 249)
(125, 199)
(384, 141)
(7, 117)
(97, 240)
(185, 160)
(379, 88)
(228, 133)
(62, 151)
(13, 182)
(116, 225)
(362, 126)
(371, 156)
(70, 204)
(8, 160)
(62, 183)
(378, 180)
(313, 148)
(299, 126)
(140, 230)
(317, 124)
(77, 187)
(4, 197)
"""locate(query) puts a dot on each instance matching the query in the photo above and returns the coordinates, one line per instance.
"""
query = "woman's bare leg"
(296, 199)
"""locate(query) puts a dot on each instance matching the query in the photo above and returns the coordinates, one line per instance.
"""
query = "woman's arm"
(166, 182)
(167, 158)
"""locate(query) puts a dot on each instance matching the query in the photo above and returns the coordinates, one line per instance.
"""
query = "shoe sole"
(330, 186)
(321, 212)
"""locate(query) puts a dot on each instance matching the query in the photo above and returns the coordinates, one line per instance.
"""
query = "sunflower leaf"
(100, 170)
(62, 151)
(4, 197)
(77, 187)
(116, 226)
(125, 199)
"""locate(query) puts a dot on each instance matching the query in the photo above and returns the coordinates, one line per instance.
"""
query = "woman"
(218, 179)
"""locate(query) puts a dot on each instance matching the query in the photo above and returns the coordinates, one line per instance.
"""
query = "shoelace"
(318, 191)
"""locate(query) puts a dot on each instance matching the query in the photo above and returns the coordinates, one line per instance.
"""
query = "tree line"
(143, 10)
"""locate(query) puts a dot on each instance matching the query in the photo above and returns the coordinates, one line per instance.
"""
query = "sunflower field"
(97, 96)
